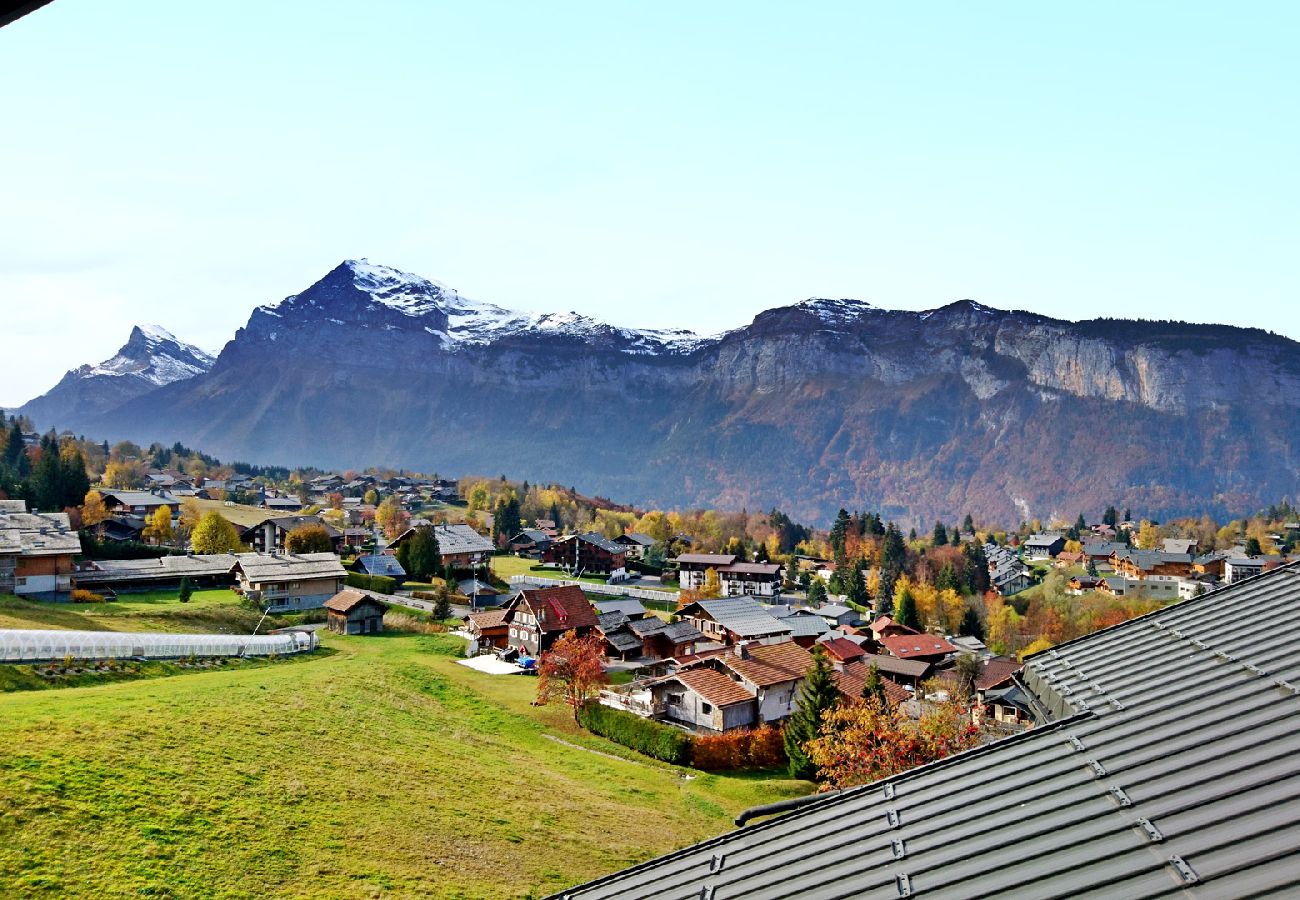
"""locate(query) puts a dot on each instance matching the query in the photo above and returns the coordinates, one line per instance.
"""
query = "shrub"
(643, 735)
(84, 596)
(381, 584)
(759, 748)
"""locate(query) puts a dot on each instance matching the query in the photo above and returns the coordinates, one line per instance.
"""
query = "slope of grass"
(383, 769)
(214, 611)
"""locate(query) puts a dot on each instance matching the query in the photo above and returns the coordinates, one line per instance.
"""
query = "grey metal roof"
(37, 534)
(460, 539)
(629, 606)
(162, 568)
(742, 616)
(1173, 770)
(261, 568)
(802, 625)
(381, 564)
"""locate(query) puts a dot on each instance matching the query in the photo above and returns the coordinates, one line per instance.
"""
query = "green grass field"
(382, 768)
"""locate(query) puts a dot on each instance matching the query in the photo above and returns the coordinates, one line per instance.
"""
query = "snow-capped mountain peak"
(155, 355)
(364, 294)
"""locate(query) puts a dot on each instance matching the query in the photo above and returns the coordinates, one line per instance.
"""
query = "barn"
(354, 612)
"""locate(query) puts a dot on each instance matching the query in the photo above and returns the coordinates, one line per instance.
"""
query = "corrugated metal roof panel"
(1175, 768)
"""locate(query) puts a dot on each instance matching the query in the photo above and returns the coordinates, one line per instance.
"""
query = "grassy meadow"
(380, 768)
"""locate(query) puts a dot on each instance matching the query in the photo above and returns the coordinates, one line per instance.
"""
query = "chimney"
(742, 652)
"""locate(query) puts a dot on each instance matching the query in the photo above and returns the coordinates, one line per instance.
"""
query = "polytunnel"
(26, 646)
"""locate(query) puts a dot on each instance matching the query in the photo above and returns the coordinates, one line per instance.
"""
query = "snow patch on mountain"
(837, 313)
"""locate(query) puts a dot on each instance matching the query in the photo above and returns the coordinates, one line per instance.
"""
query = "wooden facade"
(354, 612)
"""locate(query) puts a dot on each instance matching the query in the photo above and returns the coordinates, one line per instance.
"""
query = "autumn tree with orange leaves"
(573, 671)
(866, 740)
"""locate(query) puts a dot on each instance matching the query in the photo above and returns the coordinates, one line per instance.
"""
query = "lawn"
(380, 769)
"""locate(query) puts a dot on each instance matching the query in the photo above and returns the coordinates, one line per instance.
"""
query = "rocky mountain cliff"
(1006, 415)
(151, 357)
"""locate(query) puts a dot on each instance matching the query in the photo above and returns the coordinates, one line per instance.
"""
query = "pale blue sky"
(675, 164)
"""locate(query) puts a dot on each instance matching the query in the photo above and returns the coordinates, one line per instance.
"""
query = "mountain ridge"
(820, 404)
(152, 357)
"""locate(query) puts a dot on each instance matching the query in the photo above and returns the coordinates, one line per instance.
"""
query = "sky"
(652, 165)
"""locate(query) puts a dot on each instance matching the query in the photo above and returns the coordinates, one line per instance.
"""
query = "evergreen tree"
(940, 536)
(442, 605)
(816, 592)
(1110, 516)
(74, 482)
(893, 560)
(14, 449)
(947, 578)
(1253, 548)
(873, 687)
(968, 524)
(420, 556)
(1080, 524)
(905, 612)
(183, 594)
(971, 626)
(47, 478)
(838, 531)
(976, 571)
(857, 588)
(818, 695)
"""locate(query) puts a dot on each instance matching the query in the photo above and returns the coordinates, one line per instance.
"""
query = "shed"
(354, 612)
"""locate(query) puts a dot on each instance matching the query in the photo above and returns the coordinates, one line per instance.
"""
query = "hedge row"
(743, 748)
(381, 584)
(664, 742)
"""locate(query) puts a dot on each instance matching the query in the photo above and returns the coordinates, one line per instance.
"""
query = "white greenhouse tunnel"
(25, 646)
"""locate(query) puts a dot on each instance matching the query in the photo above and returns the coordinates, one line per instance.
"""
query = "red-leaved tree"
(573, 671)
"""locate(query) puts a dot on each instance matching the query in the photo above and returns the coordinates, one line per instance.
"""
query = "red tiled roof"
(883, 623)
(995, 671)
(560, 608)
(906, 646)
(853, 680)
(767, 664)
(843, 649)
(714, 687)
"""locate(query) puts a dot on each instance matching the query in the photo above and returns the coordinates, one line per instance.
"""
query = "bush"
(84, 596)
(643, 735)
(95, 549)
(381, 584)
(759, 748)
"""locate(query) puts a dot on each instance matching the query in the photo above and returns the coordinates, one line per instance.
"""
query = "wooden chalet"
(588, 553)
(536, 617)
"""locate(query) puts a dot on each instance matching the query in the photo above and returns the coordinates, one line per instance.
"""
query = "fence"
(27, 646)
(613, 590)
